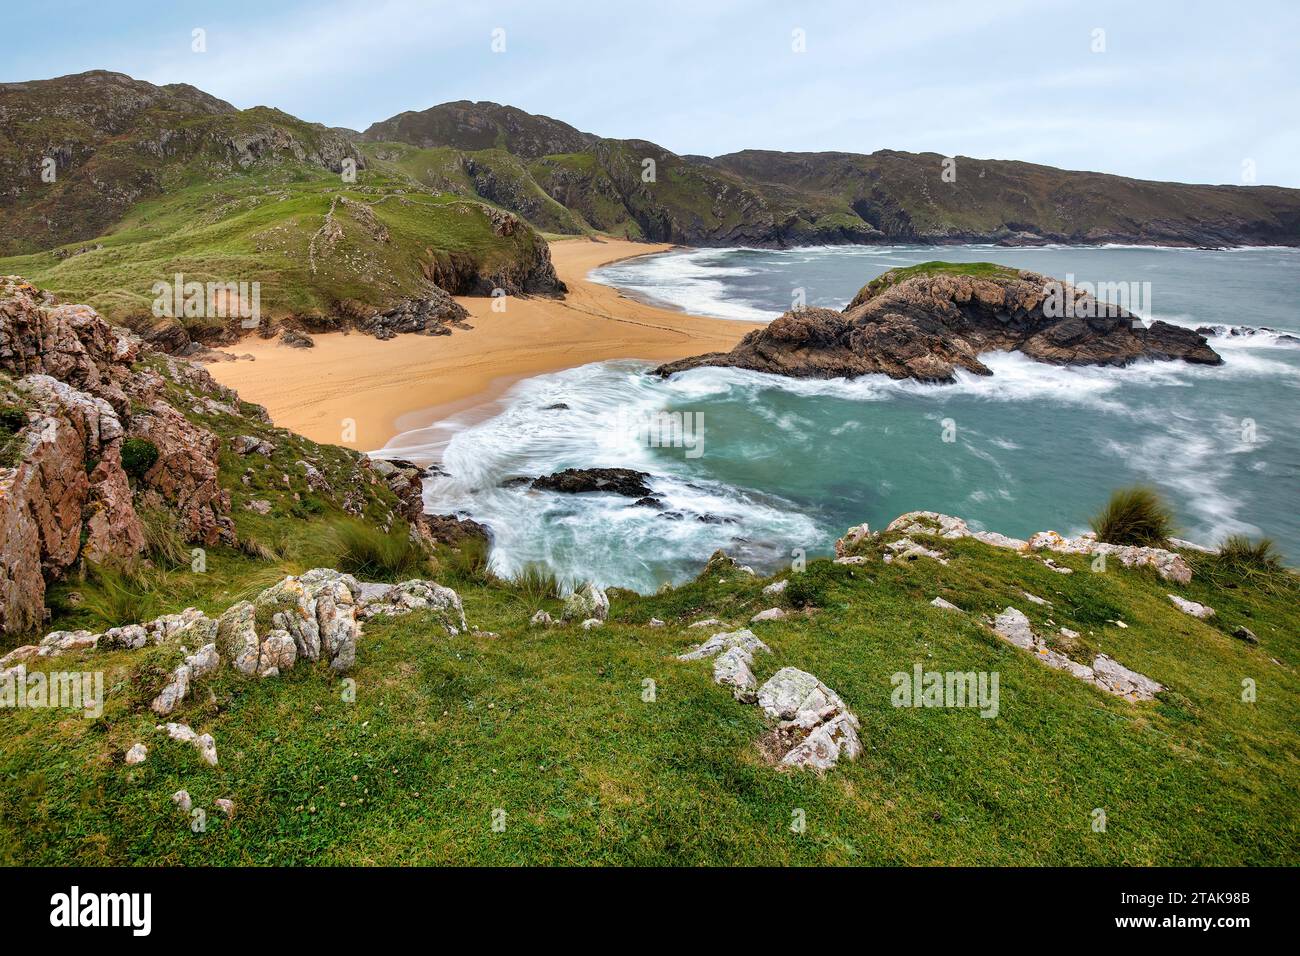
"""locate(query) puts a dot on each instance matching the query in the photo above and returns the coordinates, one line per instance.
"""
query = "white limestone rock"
(732, 669)
(815, 728)
(771, 614)
(1202, 611)
(587, 602)
(138, 753)
(721, 642)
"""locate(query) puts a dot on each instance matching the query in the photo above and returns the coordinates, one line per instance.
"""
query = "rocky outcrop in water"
(614, 481)
(926, 326)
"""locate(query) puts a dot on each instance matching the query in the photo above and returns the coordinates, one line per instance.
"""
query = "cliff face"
(75, 404)
(928, 321)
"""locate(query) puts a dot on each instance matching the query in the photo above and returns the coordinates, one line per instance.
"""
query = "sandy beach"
(387, 387)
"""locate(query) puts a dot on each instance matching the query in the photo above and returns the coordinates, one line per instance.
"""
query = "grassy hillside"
(276, 229)
(773, 198)
(150, 181)
(550, 726)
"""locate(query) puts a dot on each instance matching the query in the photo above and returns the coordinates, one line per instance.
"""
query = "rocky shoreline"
(927, 322)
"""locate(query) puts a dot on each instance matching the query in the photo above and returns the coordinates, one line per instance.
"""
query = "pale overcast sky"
(1184, 91)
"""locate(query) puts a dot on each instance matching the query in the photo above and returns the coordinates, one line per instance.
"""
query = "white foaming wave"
(689, 281)
(1016, 377)
(1194, 461)
(1247, 337)
(604, 538)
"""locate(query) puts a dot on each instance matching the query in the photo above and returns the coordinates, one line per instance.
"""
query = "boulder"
(201, 664)
(815, 728)
(616, 481)
(1202, 611)
(771, 614)
(731, 668)
(389, 600)
(588, 601)
(744, 639)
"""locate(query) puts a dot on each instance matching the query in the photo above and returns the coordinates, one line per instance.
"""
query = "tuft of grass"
(536, 584)
(163, 539)
(1241, 562)
(467, 562)
(372, 555)
(1136, 515)
(1240, 553)
(115, 596)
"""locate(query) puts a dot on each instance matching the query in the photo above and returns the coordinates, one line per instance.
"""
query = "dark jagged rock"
(430, 314)
(1246, 332)
(454, 529)
(296, 339)
(617, 481)
(926, 325)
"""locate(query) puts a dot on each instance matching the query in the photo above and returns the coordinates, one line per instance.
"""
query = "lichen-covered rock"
(540, 619)
(744, 639)
(277, 654)
(138, 753)
(203, 743)
(852, 538)
(60, 642)
(732, 669)
(201, 664)
(815, 727)
(237, 637)
(905, 549)
(1104, 672)
(1113, 676)
(587, 601)
(414, 595)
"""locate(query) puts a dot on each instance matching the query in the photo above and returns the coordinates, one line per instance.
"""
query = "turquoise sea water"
(777, 464)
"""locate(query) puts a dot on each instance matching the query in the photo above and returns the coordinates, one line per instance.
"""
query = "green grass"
(375, 555)
(978, 270)
(1136, 516)
(550, 726)
(261, 227)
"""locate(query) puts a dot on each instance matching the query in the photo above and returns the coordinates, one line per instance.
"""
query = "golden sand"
(421, 379)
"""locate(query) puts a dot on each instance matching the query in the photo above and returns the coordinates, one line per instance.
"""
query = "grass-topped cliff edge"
(553, 726)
